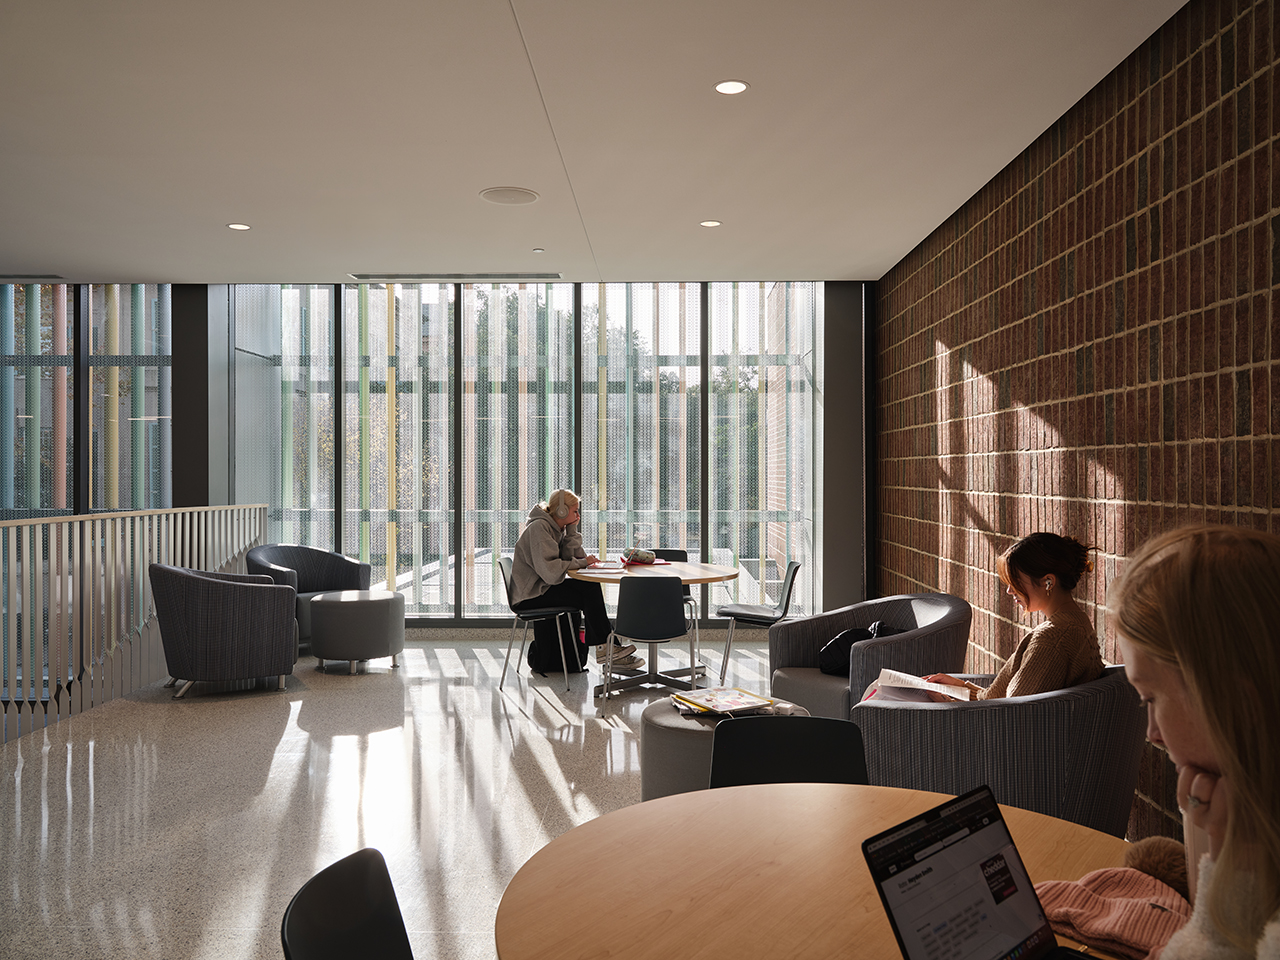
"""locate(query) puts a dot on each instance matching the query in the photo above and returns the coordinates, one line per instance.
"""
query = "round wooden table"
(771, 870)
(689, 572)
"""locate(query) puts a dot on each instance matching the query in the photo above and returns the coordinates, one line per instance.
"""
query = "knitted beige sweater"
(1061, 652)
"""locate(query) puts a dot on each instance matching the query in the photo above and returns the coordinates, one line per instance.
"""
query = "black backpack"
(543, 657)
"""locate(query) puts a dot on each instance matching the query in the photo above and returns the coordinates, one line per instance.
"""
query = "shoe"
(627, 664)
(619, 653)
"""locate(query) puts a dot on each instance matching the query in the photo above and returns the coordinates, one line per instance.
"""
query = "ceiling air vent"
(450, 277)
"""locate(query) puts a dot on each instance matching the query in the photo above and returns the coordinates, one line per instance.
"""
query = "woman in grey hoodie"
(549, 547)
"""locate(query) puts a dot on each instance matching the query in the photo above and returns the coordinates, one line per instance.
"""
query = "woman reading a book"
(549, 547)
(1197, 615)
(1039, 572)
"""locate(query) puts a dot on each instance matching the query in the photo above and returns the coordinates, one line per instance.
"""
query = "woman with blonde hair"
(1039, 572)
(549, 547)
(1197, 616)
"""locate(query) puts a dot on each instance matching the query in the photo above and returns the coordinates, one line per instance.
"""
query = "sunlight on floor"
(154, 828)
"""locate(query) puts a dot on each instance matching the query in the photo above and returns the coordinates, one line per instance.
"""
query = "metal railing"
(77, 620)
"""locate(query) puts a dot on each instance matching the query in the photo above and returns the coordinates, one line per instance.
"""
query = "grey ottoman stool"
(675, 749)
(357, 625)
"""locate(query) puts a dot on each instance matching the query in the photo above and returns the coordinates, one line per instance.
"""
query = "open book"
(893, 685)
(721, 700)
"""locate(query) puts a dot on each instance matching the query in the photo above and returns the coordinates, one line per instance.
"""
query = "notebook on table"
(955, 888)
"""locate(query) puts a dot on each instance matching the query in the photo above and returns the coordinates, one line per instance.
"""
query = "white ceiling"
(356, 137)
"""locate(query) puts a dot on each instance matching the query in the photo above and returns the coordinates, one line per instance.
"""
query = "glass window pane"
(641, 440)
(517, 422)
(131, 460)
(284, 408)
(761, 425)
(398, 425)
(35, 400)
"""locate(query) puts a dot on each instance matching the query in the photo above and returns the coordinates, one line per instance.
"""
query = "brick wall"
(1089, 345)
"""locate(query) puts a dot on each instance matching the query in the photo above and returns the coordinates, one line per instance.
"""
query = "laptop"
(955, 888)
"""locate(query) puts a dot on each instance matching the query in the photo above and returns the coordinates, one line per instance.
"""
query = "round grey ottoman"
(357, 625)
(675, 748)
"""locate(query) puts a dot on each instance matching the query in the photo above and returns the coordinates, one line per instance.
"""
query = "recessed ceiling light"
(539, 249)
(710, 223)
(508, 195)
(238, 226)
(730, 87)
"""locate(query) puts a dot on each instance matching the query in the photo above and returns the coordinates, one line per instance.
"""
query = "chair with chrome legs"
(650, 610)
(528, 617)
(690, 602)
(756, 614)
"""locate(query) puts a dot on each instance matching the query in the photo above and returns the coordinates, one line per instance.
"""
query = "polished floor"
(154, 828)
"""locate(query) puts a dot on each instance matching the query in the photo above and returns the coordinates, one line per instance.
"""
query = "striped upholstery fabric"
(310, 571)
(1071, 754)
(223, 626)
(935, 637)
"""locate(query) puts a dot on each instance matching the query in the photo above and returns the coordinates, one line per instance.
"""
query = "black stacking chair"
(528, 617)
(786, 750)
(650, 610)
(690, 602)
(348, 909)
(756, 614)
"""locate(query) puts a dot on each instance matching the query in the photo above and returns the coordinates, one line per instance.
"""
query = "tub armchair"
(1072, 754)
(932, 638)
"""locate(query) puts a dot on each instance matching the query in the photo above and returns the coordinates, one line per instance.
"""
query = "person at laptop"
(549, 547)
(1039, 572)
(1197, 616)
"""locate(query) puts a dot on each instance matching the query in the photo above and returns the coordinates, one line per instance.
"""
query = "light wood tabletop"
(689, 571)
(771, 870)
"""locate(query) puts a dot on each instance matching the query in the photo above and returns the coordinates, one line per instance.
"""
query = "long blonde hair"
(560, 498)
(1206, 600)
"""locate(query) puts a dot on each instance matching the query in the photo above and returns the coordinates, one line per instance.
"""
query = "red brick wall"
(1089, 345)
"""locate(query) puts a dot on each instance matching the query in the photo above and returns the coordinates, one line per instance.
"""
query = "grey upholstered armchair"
(935, 633)
(310, 571)
(223, 626)
(1071, 754)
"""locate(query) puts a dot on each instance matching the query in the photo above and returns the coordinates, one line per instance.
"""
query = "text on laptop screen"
(955, 888)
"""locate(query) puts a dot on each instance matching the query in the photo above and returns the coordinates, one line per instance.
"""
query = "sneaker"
(628, 663)
(619, 653)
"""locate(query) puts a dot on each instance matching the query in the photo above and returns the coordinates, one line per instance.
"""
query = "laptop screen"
(954, 885)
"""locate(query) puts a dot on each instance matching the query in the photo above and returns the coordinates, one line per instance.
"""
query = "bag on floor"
(544, 658)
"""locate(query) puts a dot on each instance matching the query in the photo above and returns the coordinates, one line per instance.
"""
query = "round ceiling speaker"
(509, 195)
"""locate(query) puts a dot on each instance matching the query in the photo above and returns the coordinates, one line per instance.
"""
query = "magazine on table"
(721, 700)
(893, 685)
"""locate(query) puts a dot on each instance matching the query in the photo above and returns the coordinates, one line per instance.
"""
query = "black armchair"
(223, 626)
(310, 571)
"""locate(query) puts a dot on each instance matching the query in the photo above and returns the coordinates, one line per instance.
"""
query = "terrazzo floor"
(155, 828)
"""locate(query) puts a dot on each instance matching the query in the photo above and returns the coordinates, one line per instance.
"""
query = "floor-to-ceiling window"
(454, 413)
(36, 400)
(641, 401)
(397, 426)
(130, 462)
(761, 435)
(516, 404)
(284, 407)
